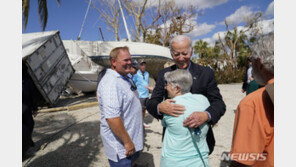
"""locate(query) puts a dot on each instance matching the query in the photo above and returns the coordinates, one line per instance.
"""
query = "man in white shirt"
(121, 127)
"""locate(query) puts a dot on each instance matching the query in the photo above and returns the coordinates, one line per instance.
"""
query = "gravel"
(72, 138)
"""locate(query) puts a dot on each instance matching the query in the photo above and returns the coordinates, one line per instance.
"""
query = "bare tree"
(138, 10)
(109, 13)
(176, 20)
(154, 23)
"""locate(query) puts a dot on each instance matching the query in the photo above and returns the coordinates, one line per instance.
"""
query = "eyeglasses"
(176, 54)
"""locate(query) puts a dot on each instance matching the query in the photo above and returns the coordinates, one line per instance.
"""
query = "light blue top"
(178, 149)
(116, 99)
(142, 80)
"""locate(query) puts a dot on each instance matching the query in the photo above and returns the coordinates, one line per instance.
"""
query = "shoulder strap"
(195, 145)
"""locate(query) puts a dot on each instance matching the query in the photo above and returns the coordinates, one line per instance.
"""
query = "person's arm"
(217, 106)
(198, 118)
(150, 88)
(118, 129)
(216, 109)
(147, 79)
(155, 106)
(111, 100)
(157, 96)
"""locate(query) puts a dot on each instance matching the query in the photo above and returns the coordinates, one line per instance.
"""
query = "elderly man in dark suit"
(204, 82)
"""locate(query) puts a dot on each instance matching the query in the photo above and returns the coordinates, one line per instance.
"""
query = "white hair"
(179, 39)
(181, 78)
(263, 48)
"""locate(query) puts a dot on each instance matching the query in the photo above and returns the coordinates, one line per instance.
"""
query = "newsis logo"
(244, 156)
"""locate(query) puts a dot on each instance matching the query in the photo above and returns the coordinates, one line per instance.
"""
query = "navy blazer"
(204, 82)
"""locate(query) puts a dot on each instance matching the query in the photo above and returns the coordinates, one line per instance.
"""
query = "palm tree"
(42, 11)
(201, 47)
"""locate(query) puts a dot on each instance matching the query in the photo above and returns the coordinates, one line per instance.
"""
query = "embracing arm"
(217, 106)
(157, 97)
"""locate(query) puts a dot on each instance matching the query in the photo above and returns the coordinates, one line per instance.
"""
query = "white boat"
(86, 71)
(90, 57)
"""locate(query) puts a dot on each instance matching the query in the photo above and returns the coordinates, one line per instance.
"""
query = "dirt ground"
(72, 138)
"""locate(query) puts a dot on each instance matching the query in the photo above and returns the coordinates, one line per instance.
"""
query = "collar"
(115, 73)
(189, 65)
(140, 72)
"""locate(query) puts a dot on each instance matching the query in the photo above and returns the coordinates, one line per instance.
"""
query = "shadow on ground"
(76, 144)
(148, 118)
(145, 160)
(76, 99)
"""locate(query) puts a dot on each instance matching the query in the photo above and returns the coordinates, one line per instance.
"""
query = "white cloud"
(200, 4)
(211, 41)
(201, 29)
(266, 25)
(269, 10)
(242, 14)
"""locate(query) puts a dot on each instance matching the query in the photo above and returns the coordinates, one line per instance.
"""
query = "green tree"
(208, 56)
(228, 58)
(42, 11)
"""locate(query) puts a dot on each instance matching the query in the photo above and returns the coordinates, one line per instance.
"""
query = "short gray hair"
(180, 38)
(264, 48)
(181, 78)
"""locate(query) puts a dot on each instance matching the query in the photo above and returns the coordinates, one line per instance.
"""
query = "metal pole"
(127, 32)
(78, 38)
(101, 33)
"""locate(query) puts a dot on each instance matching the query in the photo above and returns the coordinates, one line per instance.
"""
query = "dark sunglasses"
(133, 85)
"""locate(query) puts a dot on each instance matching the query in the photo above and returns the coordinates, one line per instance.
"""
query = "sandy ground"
(72, 138)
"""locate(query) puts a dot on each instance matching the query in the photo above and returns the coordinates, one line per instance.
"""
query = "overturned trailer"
(47, 62)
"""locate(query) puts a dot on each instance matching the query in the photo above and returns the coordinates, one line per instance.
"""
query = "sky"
(68, 17)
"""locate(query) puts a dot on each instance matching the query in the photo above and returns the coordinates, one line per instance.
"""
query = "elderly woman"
(183, 146)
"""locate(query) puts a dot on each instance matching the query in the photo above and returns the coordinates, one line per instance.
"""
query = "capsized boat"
(86, 71)
(98, 51)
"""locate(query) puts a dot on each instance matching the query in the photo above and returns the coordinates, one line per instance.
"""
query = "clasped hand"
(193, 121)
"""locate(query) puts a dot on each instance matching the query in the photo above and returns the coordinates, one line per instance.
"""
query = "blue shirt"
(142, 80)
(116, 99)
(178, 149)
